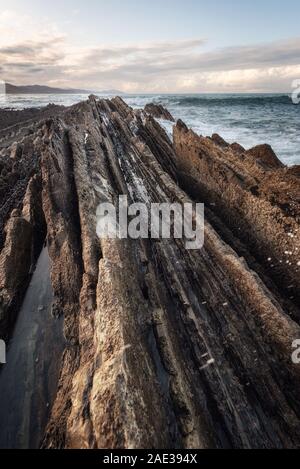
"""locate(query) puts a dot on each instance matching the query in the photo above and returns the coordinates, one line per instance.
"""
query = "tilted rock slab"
(166, 348)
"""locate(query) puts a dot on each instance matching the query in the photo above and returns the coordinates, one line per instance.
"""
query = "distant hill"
(40, 89)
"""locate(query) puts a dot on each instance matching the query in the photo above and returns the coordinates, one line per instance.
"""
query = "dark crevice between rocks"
(73, 213)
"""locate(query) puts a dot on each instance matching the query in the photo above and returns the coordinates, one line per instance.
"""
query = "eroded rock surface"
(165, 347)
(159, 111)
(253, 194)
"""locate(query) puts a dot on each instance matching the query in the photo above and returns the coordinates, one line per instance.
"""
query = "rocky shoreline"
(165, 348)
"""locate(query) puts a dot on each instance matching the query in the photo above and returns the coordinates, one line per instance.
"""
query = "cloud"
(185, 66)
(40, 52)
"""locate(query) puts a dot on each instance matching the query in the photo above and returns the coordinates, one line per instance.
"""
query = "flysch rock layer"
(253, 194)
(159, 112)
(165, 347)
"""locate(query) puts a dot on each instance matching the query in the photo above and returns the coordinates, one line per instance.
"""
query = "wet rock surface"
(28, 381)
(164, 347)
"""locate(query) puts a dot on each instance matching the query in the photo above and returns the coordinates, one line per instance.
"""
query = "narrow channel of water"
(28, 381)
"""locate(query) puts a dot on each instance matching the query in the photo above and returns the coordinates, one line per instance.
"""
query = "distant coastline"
(44, 89)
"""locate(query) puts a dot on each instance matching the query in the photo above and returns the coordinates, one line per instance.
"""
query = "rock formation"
(253, 194)
(159, 112)
(165, 347)
(9, 117)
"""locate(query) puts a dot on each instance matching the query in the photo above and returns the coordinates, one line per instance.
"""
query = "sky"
(157, 46)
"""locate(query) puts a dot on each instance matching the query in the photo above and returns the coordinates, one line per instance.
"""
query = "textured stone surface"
(158, 111)
(253, 194)
(166, 348)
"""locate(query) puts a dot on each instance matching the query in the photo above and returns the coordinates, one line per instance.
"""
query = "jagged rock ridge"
(165, 348)
(158, 111)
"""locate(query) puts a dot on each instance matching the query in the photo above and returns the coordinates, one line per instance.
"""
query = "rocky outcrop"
(10, 118)
(165, 347)
(22, 237)
(15, 263)
(159, 112)
(253, 194)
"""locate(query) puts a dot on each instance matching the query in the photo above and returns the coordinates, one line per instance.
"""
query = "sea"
(249, 119)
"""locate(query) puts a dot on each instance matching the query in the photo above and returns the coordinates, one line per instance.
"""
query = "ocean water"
(249, 119)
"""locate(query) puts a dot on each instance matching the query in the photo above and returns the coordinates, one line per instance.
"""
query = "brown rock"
(158, 111)
(254, 195)
(165, 348)
(219, 140)
(15, 264)
(266, 156)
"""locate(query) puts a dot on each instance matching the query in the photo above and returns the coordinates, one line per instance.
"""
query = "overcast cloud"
(40, 53)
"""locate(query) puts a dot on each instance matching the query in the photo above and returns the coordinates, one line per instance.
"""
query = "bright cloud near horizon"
(158, 46)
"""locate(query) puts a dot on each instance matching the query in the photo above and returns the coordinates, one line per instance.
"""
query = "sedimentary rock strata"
(9, 118)
(165, 347)
(253, 194)
(159, 112)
